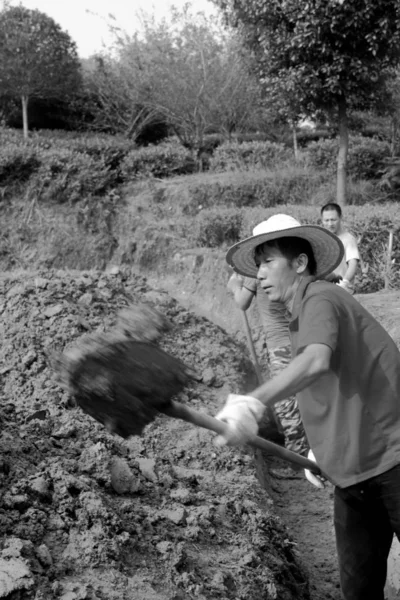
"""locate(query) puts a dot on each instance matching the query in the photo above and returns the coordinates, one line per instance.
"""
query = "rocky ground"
(88, 515)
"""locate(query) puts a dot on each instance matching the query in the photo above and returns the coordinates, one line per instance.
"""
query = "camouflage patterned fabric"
(287, 411)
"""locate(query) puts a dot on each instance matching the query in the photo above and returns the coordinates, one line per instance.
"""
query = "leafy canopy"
(321, 51)
(37, 58)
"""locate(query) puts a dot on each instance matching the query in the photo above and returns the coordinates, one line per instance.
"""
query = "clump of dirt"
(88, 515)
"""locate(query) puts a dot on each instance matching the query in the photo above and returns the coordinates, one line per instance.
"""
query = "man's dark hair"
(332, 206)
(290, 248)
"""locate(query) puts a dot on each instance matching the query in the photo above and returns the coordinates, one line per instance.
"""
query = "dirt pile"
(85, 515)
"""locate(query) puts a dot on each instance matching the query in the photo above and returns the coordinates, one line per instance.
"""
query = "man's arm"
(243, 413)
(303, 370)
(352, 265)
(241, 294)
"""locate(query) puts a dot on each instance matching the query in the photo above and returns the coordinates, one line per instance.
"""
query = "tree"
(200, 81)
(331, 55)
(117, 90)
(37, 58)
(185, 71)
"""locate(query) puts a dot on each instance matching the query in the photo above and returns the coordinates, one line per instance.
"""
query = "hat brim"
(327, 247)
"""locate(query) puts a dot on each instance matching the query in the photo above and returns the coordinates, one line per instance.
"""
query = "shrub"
(232, 156)
(68, 176)
(111, 151)
(251, 188)
(17, 163)
(164, 160)
(365, 156)
(217, 227)
(358, 193)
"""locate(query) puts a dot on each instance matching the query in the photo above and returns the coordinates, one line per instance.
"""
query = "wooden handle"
(252, 348)
(180, 411)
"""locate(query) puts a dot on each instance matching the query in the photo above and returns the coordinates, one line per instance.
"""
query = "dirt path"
(308, 514)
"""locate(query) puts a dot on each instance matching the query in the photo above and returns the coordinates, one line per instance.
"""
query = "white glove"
(241, 414)
(235, 282)
(312, 478)
(346, 285)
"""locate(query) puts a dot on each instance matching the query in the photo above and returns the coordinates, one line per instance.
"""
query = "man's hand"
(235, 282)
(316, 480)
(346, 285)
(333, 278)
(241, 414)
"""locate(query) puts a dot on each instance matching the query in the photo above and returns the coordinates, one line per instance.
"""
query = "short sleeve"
(318, 323)
(351, 250)
(250, 284)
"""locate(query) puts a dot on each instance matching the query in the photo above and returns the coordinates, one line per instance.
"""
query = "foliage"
(322, 51)
(68, 176)
(365, 160)
(323, 55)
(359, 192)
(217, 227)
(17, 164)
(117, 93)
(185, 72)
(249, 155)
(164, 160)
(254, 187)
(37, 58)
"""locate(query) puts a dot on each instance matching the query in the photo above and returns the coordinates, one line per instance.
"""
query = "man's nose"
(260, 273)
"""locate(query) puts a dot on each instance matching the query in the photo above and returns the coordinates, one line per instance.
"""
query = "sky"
(87, 20)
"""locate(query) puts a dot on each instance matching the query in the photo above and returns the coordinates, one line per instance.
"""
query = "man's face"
(331, 221)
(277, 275)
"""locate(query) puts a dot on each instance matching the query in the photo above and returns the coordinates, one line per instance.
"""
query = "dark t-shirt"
(352, 413)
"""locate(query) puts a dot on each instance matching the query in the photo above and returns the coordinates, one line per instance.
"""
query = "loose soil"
(87, 515)
(165, 516)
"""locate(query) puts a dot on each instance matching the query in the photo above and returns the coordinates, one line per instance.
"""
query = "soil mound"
(88, 515)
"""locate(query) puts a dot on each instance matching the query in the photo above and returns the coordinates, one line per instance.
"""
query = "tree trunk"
(25, 100)
(295, 144)
(393, 136)
(341, 195)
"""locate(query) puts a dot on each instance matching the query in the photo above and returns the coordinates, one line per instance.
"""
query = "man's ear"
(301, 263)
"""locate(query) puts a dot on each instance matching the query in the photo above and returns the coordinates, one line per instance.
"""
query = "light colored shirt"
(351, 414)
(350, 251)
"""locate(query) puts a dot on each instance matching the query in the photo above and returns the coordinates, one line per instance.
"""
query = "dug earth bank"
(87, 515)
(165, 516)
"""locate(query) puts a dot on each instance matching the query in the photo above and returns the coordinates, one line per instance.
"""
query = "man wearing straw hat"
(274, 318)
(345, 372)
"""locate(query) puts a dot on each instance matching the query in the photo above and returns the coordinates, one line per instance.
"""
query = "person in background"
(275, 322)
(345, 273)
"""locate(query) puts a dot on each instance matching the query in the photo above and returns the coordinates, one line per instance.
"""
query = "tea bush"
(217, 227)
(17, 164)
(164, 160)
(233, 156)
(256, 188)
(365, 157)
(68, 176)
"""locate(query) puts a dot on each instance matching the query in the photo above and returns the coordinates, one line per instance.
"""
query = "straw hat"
(327, 247)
